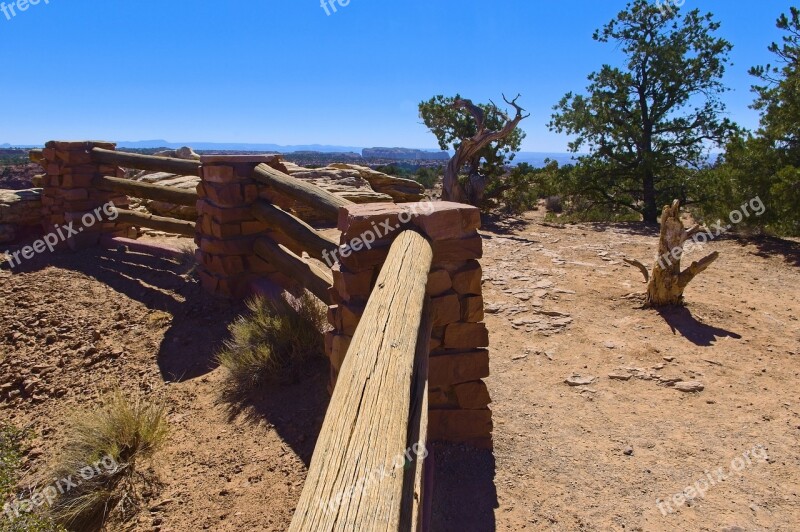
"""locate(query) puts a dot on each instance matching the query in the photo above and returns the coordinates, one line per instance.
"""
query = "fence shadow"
(296, 410)
(464, 494)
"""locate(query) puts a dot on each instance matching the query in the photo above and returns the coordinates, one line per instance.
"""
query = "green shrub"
(272, 342)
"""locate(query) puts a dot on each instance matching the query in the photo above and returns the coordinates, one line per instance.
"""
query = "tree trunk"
(667, 282)
(650, 212)
(468, 152)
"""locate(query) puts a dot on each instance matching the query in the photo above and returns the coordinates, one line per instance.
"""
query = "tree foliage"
(483, 136)
(646, 123)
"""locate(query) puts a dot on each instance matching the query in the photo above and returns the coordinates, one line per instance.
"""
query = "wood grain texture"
(146, 162)
(303, 236)
(325, 202)
(316, 279)
(357, 480)
(159, 223)
(148, 191)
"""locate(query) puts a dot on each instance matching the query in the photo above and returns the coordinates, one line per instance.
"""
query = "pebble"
(690, 386)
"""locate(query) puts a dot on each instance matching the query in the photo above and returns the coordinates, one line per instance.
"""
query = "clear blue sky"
(285, 72)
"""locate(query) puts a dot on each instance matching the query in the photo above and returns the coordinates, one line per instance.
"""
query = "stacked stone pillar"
(226, 227)
(68, 196)
(458, 397)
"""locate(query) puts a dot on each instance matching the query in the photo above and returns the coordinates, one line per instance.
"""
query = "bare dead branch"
(641, 267)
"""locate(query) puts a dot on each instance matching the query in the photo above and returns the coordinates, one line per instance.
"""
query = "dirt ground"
(561, 304)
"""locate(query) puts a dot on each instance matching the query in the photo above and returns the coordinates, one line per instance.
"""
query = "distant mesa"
(404, 154)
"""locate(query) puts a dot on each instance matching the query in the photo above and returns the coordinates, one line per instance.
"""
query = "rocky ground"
(594, 453)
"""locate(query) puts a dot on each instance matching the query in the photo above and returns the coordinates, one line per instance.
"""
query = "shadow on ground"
(770, 246)
(198, 321)
(464, 495)
(682, 322)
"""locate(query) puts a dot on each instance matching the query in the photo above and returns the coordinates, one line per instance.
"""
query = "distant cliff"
(404, 154)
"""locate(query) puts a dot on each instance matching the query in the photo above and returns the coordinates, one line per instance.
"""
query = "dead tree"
(468, 153)
(667, 282)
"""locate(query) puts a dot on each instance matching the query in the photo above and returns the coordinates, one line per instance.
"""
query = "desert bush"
(273, 341)
(118, 435)
(427, 177)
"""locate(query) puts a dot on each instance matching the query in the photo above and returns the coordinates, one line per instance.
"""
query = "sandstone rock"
(7, 233)
(578, 380)
(21, 208)
(690, 386)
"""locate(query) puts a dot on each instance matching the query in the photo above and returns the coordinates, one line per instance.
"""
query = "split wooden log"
(159, 223)
(356, 480)
(302, 236)
(148, 191)
(146, 162)
(667, 282)
(317, 280)
(325, 202)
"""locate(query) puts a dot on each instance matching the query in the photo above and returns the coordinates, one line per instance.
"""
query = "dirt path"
(591, 457)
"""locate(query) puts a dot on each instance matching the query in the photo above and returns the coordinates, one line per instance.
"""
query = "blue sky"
(285, 72)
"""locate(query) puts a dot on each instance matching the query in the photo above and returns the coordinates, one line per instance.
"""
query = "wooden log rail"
(317, 280)
(146, 162)
(325, 202)
(159, 223)
(377, 416)
(148, 191)
(300, 234)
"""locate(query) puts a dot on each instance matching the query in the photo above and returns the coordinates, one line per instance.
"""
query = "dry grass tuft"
(272, 342)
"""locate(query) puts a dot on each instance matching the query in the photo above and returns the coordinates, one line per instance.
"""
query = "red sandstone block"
(468, 279)
(254, 227)
(339, 347)
(49, 154)
(335, 317)
(461, 249)
(239, 246)
(351, 317)
(74, 157)
(76, 194)
(355, 219)
(472, 309)
(439, 282)
(226, 231)
(358, 261)
(258, 265)
(353, 285)
(465, 336)
(445, 310)
(223, 214)
(442, 397)
(444, 370)
(77, 181)
(53, 169)
(448, 220)
(218, 174)
(459, 425)
(473, 395)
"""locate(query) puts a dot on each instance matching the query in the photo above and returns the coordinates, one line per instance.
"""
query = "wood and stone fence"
(408, 346)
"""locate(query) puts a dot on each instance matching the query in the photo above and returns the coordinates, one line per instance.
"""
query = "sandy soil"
(561, 303)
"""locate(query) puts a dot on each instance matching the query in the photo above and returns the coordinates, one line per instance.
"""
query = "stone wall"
(458, 397)
(18, 209)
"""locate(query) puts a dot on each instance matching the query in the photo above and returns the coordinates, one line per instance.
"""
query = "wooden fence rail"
(148, 191)
(357, 479)
(159, 223)
(325, 202)
(146, 162)
(303, 236)
(317, 280)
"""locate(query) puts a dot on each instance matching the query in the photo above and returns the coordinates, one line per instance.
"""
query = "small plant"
(117, 436)
(13, 520)
(272, 342)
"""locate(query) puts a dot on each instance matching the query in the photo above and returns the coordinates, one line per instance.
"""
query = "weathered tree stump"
(667, 282)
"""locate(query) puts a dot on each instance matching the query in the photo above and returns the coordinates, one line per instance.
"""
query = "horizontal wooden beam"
(302, 236)
(316, 280)
(326, 203)
(146, 162)
(137, 189)
(356, 480)
(159, 223)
